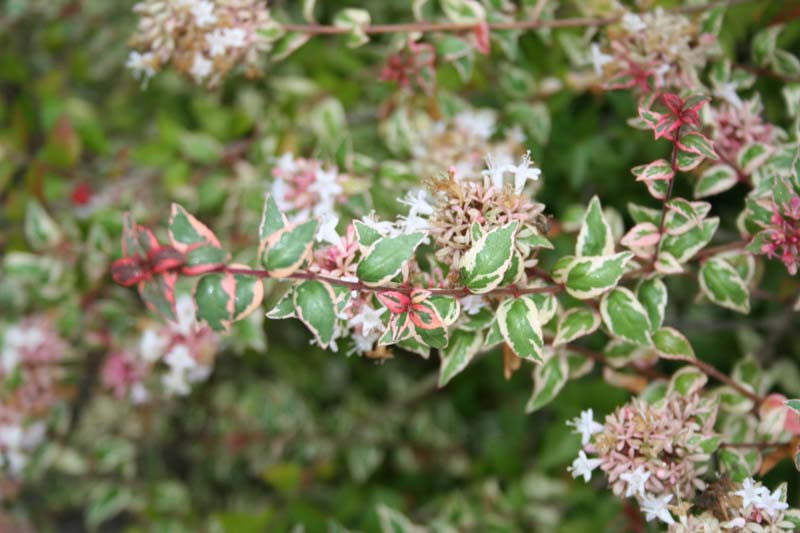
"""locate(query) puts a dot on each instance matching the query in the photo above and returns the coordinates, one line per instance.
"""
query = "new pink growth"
(783, 236)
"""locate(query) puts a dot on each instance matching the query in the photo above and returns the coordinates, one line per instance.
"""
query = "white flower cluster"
(497, 170)
(16, 442)
(184, 347)
(756, 496)
(18, 340)
(201, 38)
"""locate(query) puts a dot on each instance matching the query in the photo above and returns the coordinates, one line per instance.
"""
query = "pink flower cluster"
(737, 124)
(782, 237)
(662, 441)
(32, 351)
(186, 347)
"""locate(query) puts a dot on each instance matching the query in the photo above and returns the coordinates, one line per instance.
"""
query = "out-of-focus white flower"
(139, 394)
(734, 523)
(472, 304)
(369, 319)
(636, 481)
(286, 163)
(180, 359)
(585, 425)
(203, 12)
(583, 466)
(599, 59)
(480, 123)
(655, 507)
(152, 345)
(633, 23)
(141, 65)
(384, 227)
(185, 312)
(234, 37)
(728, 93)
(216, 42)
(175, 383)
(201, 67)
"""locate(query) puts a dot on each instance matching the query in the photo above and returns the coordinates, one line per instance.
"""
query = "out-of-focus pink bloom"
(120, 372)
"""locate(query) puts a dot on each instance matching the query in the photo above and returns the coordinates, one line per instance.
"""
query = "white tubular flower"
(583, 466)
(327, 230)
(326, 184)
(417, 203)
(771, 504)
(599, 59)
(185, 312)
(524, 172)
(751, 493)
(286, 163)
(655, 507)
(496, 169)
(180, 360)
(586, 426)
(636, 481)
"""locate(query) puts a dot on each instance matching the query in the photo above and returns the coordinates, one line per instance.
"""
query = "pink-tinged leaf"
(697, 143)
(398, 326)
(202, 258)
(665, 126)
(164, 258)
(657, 189)
(128, 271)
(623, 80)
(419, 295)
(657, 170)
(673, 102)
(185, 231)
(650, 117)
(688, 160)
(482, 37)
(425, 316)
(158, 293)
(395, 302)
(693, 103)
(641, 236)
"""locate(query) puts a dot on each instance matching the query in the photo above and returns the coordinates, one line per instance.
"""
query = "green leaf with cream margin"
(683, 247)
(723, 285)
(315, 305)
(272, 221)
(186, 232)
(715, 180)
(459, 352)
(652, 293)
(518, 320)
(625, 317)
(589, 277)
(575, 323)
(385, 258)
(672, 344)
(222, 298)
(485, 263)
(595, 236)
(288, 247)
(548, 380)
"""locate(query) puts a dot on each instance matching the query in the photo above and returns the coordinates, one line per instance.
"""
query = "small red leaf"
(164, 258)
(128, 271)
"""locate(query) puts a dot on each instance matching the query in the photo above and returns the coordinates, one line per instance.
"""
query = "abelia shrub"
(436, 233)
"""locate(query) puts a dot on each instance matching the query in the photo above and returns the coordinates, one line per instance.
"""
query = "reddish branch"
(531, 24)
(360, 286)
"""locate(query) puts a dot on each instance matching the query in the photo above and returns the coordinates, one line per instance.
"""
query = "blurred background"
(282, 435)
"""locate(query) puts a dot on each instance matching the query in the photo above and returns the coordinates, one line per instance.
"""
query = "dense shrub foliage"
(454, 265)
